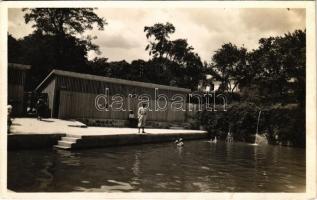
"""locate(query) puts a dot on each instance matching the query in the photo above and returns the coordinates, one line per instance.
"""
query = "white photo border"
(311, 138)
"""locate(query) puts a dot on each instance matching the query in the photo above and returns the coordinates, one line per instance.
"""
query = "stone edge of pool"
(40, 141)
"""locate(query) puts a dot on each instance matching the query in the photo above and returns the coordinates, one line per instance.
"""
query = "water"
(198, 166)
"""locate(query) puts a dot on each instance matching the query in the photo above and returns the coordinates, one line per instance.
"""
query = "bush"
(281, 124)
(286, 125)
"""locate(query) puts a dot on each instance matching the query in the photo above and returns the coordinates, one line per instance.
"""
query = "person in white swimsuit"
(142, 117)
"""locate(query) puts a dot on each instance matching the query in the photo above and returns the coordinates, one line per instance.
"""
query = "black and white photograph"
(180, 98)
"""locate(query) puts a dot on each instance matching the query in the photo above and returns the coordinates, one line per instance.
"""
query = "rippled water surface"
(199, 166)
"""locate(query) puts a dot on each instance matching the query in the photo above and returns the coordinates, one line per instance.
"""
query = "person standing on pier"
(40, 108)
(142, 117)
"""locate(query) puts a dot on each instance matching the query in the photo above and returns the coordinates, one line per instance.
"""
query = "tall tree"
(56, 42)
(179, 51)
(63, 21)
(65, 24)
(229, 66)
(173, 61)
(161, 43)
(40, 51)
(281, 64)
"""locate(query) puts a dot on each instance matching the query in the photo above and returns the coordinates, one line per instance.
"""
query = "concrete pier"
(28, 133)
(33, 141)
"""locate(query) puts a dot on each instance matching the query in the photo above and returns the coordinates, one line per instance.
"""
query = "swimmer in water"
(179, 142)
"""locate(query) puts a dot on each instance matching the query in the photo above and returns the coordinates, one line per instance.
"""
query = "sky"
(205, 29)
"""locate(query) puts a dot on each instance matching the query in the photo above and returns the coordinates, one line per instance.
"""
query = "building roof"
(19, 66)
(109, 80)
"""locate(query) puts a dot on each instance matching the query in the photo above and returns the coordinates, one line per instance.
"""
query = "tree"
(14, 50)
(179, 51)
(97, 66)
(65, 24)
(39, 51)
(174, 61)
(161, 45)
(63, 21)
(229, 66)
(271, 79)
(118, 69)
(137, 71)
(281, 63)
(55, 43)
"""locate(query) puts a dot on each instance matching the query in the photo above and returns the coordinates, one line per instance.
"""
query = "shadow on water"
(198, 166)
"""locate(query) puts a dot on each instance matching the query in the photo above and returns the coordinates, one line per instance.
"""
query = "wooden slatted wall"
(77, 100)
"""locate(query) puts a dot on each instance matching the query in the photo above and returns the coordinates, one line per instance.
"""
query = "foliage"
(281, 62)
(174, 60)
(55, 42)
(229, 66)
(40, 51)
(179, 66)
(161, 45)
(157, 70)
(281, 124)
(272, 73)
(63, 21)
(271, 78)
(135, 70)
(239, 119)
(14, 50)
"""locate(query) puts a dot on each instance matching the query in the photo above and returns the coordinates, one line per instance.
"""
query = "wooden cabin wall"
(16, 76)
(16, 80)
(77, 105)
(15, 98)
(77, 100)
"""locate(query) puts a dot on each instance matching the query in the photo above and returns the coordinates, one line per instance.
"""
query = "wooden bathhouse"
(16, 82)
(73, 95)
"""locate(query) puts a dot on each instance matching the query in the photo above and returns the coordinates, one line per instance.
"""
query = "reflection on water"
(198, 166)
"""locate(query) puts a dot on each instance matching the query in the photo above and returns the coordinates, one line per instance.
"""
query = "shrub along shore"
(281, 124)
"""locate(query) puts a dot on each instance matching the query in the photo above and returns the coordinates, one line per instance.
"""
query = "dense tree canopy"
(174, 61)
(271, 78)
(63, 24)
(55, 42)
(229, 66)
(63, 21)
(281, 64)
(276, 69)
(161, 44)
